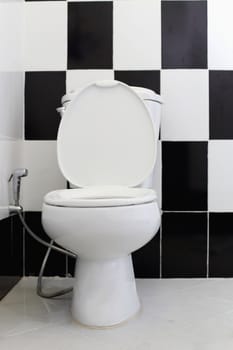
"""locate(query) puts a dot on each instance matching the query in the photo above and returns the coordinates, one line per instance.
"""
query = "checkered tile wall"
(167, 46)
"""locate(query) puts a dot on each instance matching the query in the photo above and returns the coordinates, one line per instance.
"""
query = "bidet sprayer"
(16, 180)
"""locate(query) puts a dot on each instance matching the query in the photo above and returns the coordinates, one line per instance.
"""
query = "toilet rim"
(107, 197)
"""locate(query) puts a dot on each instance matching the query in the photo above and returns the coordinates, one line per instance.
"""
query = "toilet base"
(104, 292)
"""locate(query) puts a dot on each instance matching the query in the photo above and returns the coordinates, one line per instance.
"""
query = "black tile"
(43, 92)
(184, 245)
(184, 176)
(17, 246)
(11, 249)
(149, 79)
(184, 34)
(146, 261)
(220, 245)
(6, 247)
(221, 104)
(11, 255)
(90, 35)
(6, 284)
(35, 252)
(71, 266)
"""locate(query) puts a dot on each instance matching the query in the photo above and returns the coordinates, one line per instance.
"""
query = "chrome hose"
(50, 246)
(38, 239)
(39, 288)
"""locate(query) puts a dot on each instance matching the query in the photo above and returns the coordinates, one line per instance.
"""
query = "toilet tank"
(153, 102)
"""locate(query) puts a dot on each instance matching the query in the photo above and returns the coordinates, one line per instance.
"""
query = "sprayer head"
(16, 183)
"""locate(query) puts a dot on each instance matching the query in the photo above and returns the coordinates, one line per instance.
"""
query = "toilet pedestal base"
(104, 292)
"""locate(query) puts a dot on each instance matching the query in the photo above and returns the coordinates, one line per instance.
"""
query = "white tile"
(157, 178)
(12, 104)
(87, 0)
(78, 78)
(220, 29)
(11, 94)
(137, 34)
(185, 112)
(11, 35)
(145, 1)
(40, 158)
(220, 187)
(10, 159)
(154, 181)
(45, 35)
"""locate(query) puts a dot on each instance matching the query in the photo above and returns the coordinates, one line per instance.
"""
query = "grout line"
(208, 214)
(186, 211)
(208, 246)
(161, 200)
(11, 233)
(24, 248)
(160, 251)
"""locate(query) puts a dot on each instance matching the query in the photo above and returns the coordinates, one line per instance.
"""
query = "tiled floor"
(190, 314)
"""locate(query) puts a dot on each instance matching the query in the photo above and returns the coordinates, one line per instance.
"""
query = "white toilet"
(106, 148)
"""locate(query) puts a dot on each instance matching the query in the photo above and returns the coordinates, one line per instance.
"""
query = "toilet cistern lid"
(106, 137)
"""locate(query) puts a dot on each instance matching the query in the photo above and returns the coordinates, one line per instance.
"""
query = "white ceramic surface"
(220, 27)
(185, 113)
(45, 42)
(103, 226)
(77, 78)
(104, 292)
(109, 131)
(102, 232)
(103, 238)
(106, 196)
(43, 176)
(220, 195)
(11, 95)
(11, 35)
(10, 159)
(156, 181)
(12, 104)
(129, 32)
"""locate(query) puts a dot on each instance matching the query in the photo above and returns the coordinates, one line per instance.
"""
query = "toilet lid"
(106, 137)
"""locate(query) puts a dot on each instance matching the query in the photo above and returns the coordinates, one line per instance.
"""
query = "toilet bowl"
(106, 147)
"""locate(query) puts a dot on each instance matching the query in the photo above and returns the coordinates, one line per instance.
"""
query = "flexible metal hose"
(39, 288)
(50, 246)
(38, 239)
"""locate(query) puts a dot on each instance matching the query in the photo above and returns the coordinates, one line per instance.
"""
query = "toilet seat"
(106, 196)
